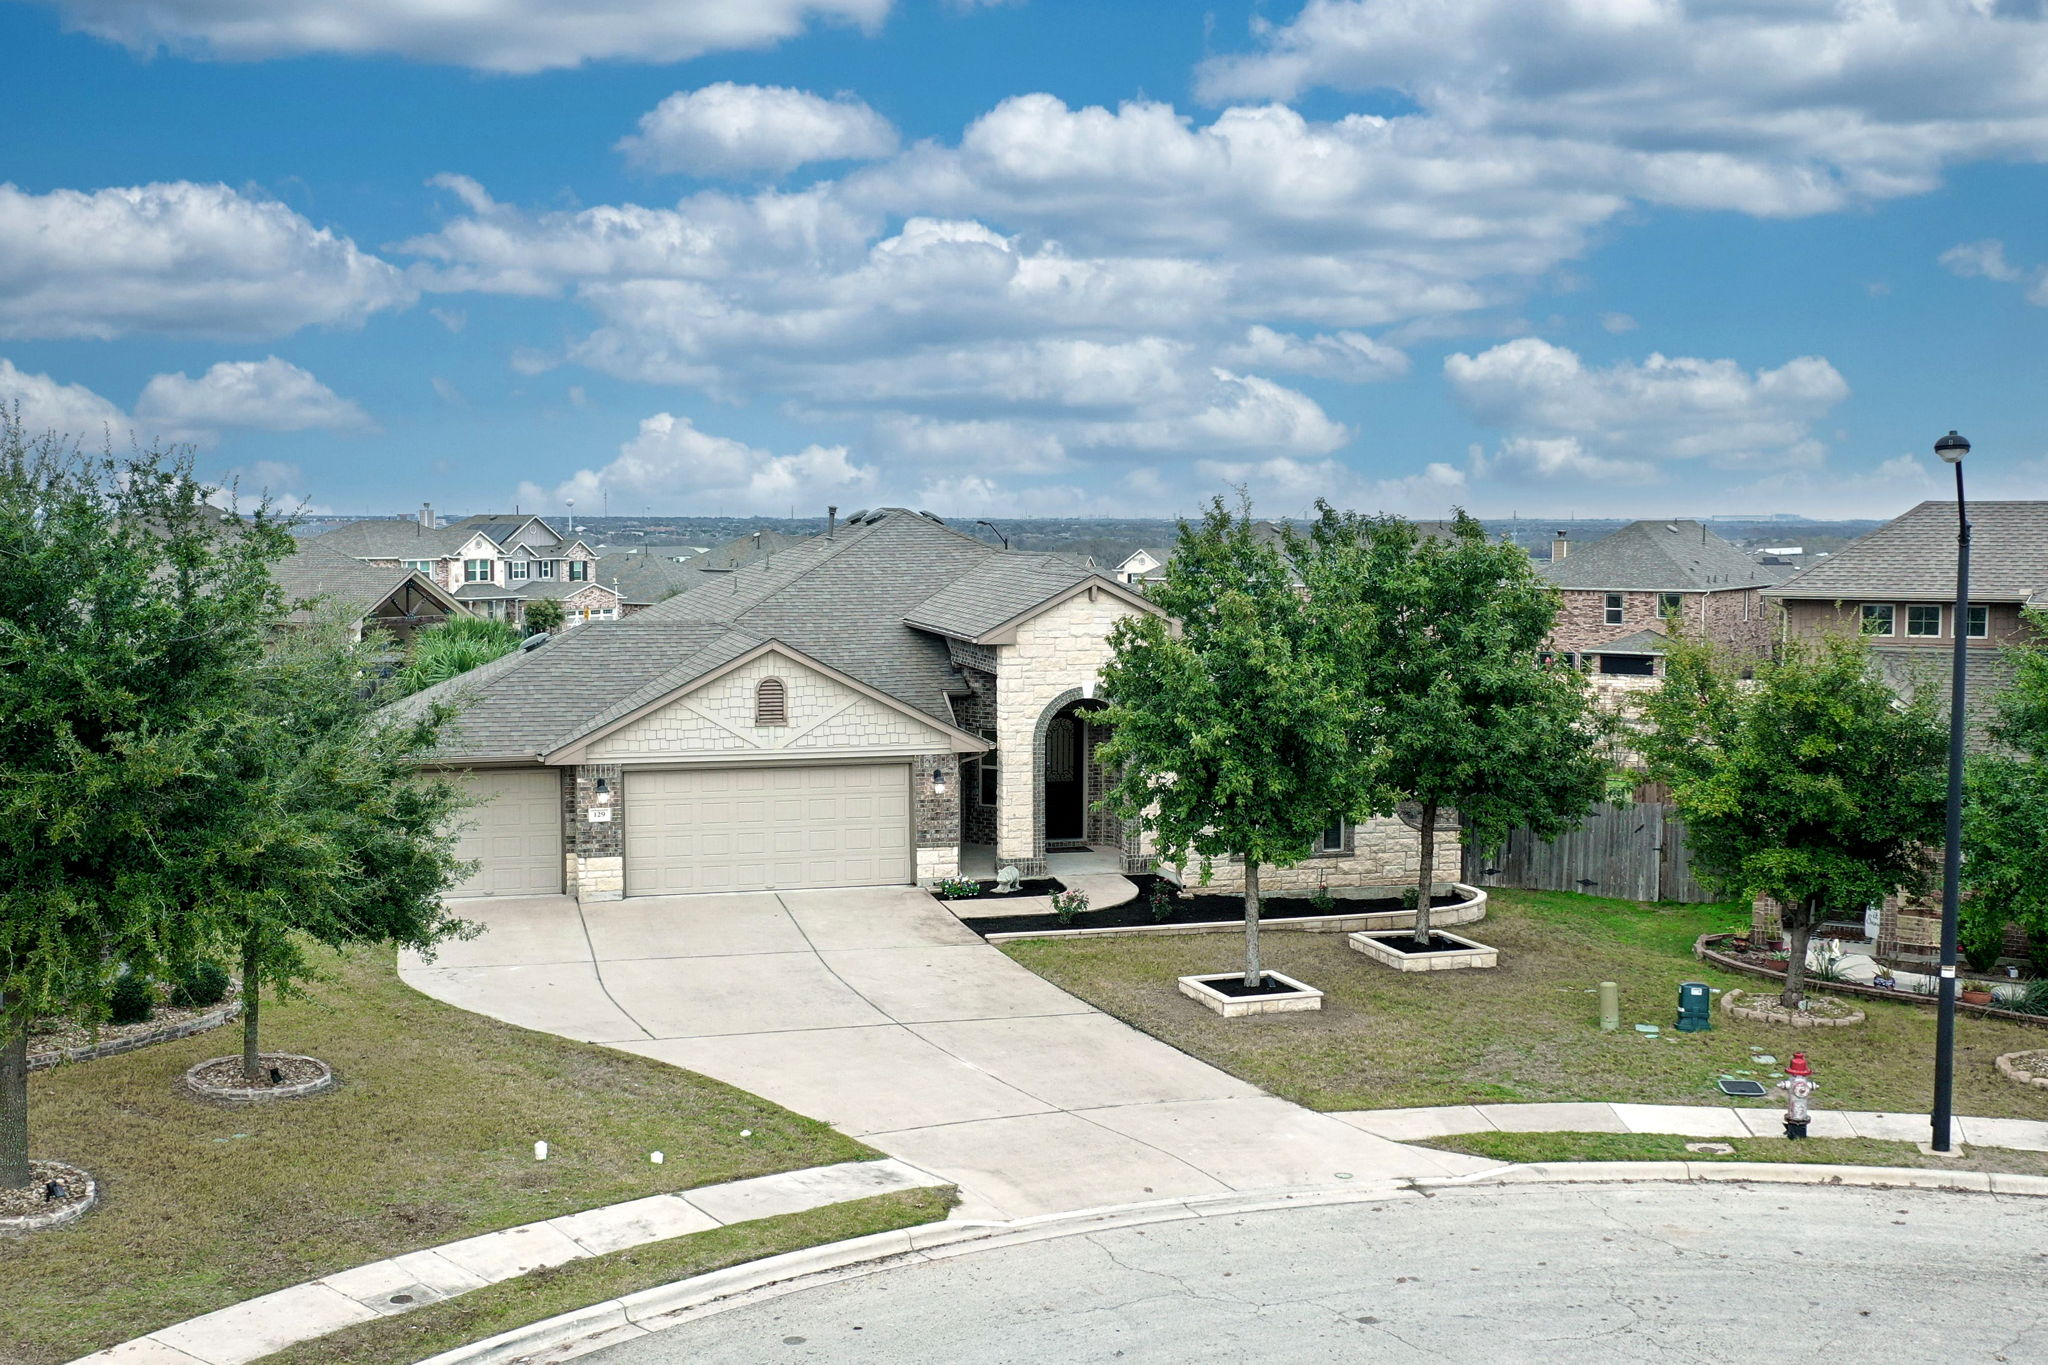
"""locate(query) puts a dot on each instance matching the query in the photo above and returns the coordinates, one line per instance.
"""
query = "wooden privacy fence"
(1635, 852)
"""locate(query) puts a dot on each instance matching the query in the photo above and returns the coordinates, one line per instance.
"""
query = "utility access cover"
(1743, 1089)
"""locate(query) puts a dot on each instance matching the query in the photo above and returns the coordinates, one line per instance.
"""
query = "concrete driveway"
(879, 1012)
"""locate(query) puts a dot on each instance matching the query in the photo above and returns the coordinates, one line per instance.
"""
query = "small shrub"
(1826, 964)
(133, 1000)
(199, 985)
(956, 888)
(1322, 900)
(1164, 899)
(2032, 998)
(1066, 905)
(1411, 898)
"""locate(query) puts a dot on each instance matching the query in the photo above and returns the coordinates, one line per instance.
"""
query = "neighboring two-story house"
(387, 597)
(1897, 587)
(493, 564)
(1624, 593)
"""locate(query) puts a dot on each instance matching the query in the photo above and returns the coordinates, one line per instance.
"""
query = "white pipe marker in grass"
(540, 1151)
(654, 1157)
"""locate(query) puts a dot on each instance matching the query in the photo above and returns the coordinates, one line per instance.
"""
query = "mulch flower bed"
(25, 1203)
(1235, 988)
(225, 1073)
(51, 1039)
(1201, 908)
(1031, 886)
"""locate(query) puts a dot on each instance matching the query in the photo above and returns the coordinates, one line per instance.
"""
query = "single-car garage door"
(515, 836)
(767, 828)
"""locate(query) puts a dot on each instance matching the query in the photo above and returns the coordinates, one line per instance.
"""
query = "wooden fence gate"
(1635, 852)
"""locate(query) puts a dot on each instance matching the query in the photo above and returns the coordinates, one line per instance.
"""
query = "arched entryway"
(1068, 783)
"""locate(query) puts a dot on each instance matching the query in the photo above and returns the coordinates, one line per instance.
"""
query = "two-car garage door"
(767, 828)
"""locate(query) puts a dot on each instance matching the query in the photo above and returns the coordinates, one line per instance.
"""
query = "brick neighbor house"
(1624, 592)
(890, 703)
(1897, 586)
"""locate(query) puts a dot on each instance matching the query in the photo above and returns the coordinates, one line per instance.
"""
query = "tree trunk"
(1426, 879)
(13, 1100)
(1254, 974)
(1798, 920)
(251, 971)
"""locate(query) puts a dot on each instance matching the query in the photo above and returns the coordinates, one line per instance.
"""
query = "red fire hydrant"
(1798, 1086)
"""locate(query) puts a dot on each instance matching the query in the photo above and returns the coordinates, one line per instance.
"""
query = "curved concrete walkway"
(878, 1012)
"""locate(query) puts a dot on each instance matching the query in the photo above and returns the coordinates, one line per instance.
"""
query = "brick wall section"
(1104, 829)
(936, 818)
(974, 713)
(1383, 852)
(595, 849)
(1054, 653)
(1582, 624)
(978, 657)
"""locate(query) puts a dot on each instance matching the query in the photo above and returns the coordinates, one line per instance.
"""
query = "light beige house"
(888, 704)
(493, 563)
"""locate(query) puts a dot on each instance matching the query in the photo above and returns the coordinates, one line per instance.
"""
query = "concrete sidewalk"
(879, 1012)
(1684, 1120)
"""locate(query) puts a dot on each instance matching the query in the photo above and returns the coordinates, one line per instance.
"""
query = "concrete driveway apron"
(877, 1011)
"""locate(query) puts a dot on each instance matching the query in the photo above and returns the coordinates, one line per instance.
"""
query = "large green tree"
(2005, 822)
(326, 831)
(1815, 785)
(1439, 639)
(1228, 724)
(130, 611)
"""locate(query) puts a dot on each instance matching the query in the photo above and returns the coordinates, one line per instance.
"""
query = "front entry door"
(1065, 798)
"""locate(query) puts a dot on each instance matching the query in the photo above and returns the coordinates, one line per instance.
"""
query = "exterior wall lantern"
(938, 782)
(603, 794)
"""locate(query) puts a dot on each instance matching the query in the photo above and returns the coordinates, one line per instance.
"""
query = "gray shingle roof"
(999, 588)
(313, 571)
(396, 539)
(1913, 556)
(1658, 556)
(646, 575)
(1645, 641)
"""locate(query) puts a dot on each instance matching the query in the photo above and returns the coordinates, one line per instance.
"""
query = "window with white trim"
(477, 571)
(544, 568)
(1614, 613)
(1923, 618)
(1877, 618)
(1669, 604)
(579, 570)
(518, 569)
(425, 566)
(1979, 623)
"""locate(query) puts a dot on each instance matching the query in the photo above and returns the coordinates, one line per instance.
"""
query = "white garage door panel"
(754, 829)
(515, 836)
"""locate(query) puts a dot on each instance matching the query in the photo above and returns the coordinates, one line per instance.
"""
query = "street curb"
(651, 1310)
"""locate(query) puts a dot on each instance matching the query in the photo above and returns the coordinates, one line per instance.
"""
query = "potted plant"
(1977, 993)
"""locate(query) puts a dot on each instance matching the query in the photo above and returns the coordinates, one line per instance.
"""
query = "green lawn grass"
(500, 1308)
(429, 1138)
(1527, 1147)
(1527, 1030)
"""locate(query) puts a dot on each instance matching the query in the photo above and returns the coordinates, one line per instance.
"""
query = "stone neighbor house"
(493, 563)
(1897, 587)
(1624, 592)
(889, 703)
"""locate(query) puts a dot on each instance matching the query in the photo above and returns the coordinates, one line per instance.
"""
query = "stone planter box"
(71, 1212)
(1468, 953)
(1297, 998)
(264, 1094)
(1764, 1009)
(2028, 1072)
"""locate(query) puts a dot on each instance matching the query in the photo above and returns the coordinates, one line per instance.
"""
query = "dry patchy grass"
(1532, 1147)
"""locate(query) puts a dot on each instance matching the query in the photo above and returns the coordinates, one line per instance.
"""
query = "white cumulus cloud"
(1987, 260)
(516, 36)
(45, 405)
(728, 129)
(671, 459)
(178, 258)
(264, 395)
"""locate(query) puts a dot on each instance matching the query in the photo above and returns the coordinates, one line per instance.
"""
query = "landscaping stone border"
(23, 1224)
(1702, 950)
(1763, 1014)
(246, 1095)
(1469, 911)
(1474, 955)
(2015, 1074)
(166, 1033)
(1302, 997)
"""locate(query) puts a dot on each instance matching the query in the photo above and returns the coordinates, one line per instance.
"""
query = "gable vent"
(771, 702)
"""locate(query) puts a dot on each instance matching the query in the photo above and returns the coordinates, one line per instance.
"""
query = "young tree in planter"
(1440, 640)
(129, 612)
(334, 838)
(1227, 724)
(1815, 785)
(2005, 820)
(544, 613)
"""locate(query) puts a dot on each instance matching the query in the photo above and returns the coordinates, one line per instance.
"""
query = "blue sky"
(1038, 258)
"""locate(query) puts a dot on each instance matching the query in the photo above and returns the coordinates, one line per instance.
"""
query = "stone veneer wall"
(1054, 653)
(937, 817)
(1582, 625)
(595, 851)
(1384, 851)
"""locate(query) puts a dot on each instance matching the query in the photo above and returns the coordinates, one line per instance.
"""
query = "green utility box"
(1695, 1007)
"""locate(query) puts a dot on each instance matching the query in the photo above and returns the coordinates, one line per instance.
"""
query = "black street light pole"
(1952, 448)
(999, 535)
